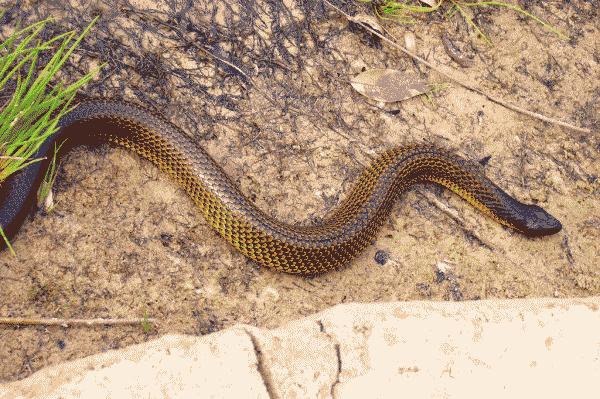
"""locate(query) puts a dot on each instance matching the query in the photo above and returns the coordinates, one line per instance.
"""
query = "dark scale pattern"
(293, 249)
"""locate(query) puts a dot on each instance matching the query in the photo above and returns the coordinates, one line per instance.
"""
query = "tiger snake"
(297, 249)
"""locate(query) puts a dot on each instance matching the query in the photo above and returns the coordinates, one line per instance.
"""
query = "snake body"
(284, 247)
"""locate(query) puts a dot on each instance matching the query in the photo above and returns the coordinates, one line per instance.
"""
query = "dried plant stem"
(25, 321)
(202, 49)
(468, 86)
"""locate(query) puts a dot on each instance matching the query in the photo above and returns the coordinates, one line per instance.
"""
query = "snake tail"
(297, 249)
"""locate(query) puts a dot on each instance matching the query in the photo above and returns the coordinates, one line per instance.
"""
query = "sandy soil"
(124, 240)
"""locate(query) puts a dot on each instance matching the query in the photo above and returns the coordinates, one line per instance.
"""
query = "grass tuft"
(405, 11)
(33, 109)
(146, 324)
(47, 182)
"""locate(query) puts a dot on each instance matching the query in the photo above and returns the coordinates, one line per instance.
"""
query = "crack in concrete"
(338, 355)
(260, 366)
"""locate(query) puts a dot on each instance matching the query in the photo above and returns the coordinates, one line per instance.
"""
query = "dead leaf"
(454, 52)
(368, 20)
(388, 85)
(430, 3)
(410, 42)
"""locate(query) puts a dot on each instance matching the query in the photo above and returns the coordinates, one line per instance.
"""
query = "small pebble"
(166, 239)
(440, 276)
(484, 161)
(381, 257)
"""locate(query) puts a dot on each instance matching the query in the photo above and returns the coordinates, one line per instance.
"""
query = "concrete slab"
(499, 348)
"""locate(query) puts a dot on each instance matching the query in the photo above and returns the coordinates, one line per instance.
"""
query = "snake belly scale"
(284, 247)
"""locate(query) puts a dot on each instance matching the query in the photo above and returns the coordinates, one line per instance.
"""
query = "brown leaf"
(388, 85)
(410, 42)
(430, 3)
(368, 20)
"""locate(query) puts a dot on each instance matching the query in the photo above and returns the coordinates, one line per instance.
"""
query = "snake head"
(536, 222)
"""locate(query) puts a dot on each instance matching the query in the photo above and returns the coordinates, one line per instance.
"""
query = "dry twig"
(53, 321)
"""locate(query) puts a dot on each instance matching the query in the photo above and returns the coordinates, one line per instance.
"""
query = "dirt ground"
(123, 240)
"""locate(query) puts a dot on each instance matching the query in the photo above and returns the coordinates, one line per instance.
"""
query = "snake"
(292, 248)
